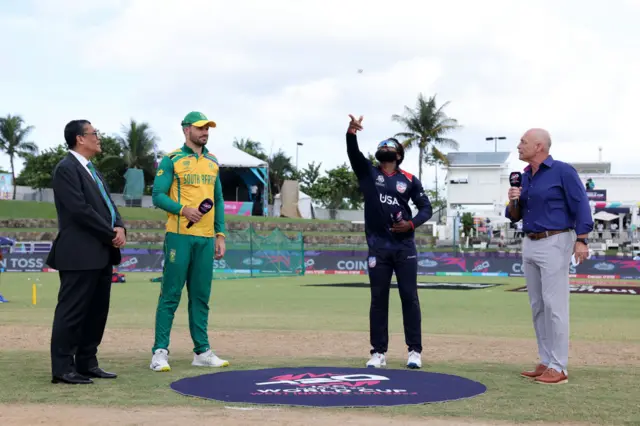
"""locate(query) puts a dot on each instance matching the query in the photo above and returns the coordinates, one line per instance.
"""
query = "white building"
(478, 182)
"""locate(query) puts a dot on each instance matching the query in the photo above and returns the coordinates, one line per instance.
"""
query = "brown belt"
(545, 234)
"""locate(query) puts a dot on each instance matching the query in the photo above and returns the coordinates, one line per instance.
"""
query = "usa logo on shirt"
(401, 187)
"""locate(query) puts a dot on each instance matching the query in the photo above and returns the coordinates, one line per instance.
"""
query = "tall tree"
(139, 148)
(13, 142)
(114, 175)
(338, 189)
(426, 128)
(251, 147)
(280, 169)
(38, 169)
(308, 178)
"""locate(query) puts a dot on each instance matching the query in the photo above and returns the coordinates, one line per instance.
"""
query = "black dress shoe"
(72, 379)
(99, 373)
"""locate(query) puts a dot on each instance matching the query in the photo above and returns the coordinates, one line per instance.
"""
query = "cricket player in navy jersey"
(389, 230)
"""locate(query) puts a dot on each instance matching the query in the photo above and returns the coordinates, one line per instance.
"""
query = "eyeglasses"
(389, 144)
(91, 133)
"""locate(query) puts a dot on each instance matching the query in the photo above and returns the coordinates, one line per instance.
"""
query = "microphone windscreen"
(205, 206)
(515, 179)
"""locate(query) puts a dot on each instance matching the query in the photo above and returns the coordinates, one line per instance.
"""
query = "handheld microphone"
(515, 180)
(203, 208)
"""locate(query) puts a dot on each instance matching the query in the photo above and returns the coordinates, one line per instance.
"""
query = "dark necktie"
(104, 193)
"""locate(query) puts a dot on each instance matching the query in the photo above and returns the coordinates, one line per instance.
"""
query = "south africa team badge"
(401, 187)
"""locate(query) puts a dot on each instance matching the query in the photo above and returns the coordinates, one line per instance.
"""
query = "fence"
(249, 254)
(254, 254)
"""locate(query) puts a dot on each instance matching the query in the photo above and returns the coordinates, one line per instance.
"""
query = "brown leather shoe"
(552, 377)
(540, 368)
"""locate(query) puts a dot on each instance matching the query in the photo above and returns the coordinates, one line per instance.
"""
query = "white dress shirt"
(82, 161)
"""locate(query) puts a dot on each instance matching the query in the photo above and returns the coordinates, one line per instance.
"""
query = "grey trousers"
(546, 270)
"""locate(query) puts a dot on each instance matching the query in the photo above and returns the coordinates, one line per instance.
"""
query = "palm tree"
(251, 147)
(280, 169)
(139, 150)
(13, 141)
(426, 127)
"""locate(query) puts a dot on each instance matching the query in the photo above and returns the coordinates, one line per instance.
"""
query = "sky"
(286, 71)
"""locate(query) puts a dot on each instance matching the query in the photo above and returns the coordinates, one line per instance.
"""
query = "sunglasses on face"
(388, 144)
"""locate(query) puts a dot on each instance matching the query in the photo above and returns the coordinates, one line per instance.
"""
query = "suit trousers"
(546, 270)
(80, 319)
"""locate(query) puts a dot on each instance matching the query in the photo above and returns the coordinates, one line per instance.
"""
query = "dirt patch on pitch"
(331, 345)
(27, 415)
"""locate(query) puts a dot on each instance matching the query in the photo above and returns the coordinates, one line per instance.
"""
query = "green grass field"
(10, 209)
(485, 335)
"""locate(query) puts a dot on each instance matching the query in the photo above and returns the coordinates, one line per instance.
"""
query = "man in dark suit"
(90, 235)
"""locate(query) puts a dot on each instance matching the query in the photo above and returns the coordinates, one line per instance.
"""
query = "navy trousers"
(382, 264)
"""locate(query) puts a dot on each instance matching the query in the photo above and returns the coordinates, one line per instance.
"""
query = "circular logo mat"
(329, 387)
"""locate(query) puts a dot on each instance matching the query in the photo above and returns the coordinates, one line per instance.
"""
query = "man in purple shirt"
(556, 220)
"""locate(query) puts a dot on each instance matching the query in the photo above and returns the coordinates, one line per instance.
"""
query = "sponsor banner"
(595, 289)
(482, 265)
(597, 194)
(332, 272)
(142, 260)
(347, 263)
(23, 262)
(238, 208)
(6, 186)
(430, 286)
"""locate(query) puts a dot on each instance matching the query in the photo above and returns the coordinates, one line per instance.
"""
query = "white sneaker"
(208, 359)
(160, 360)
(377, 360)
(415, 360)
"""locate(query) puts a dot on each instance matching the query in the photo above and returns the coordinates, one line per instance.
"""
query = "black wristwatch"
(583, 241)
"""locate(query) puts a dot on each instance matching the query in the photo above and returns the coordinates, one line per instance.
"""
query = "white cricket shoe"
(415, 360)
(208, 359)
(160, 360)
(377, 360)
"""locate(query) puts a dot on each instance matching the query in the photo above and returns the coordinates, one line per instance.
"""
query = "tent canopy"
(252, 170)
(230, 156)
(605, 216)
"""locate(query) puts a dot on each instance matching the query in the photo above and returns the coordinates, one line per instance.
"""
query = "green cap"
(197, 119)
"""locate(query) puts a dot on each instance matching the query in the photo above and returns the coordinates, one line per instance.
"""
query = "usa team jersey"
(385, 195)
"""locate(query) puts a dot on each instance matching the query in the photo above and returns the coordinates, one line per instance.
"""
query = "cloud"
(285, 71)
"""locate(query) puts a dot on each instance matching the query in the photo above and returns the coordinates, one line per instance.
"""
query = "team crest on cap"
(401, 187)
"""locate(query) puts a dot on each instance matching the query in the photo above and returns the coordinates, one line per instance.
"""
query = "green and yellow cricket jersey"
(184, 179)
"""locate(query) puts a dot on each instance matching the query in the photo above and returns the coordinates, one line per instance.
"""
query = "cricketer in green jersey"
(185, 178)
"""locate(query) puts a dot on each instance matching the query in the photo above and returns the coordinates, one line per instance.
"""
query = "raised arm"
(359, 163)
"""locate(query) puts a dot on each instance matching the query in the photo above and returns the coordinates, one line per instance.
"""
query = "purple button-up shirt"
(553, 199)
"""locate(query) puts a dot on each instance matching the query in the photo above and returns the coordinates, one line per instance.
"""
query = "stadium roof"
(595, 167)
(460, 159)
